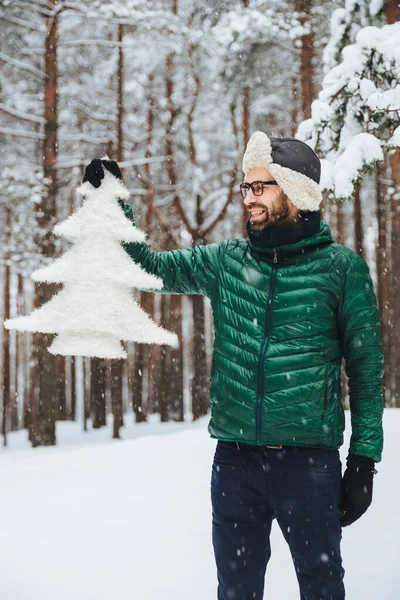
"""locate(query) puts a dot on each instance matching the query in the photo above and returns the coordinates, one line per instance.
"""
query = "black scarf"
(273, 237)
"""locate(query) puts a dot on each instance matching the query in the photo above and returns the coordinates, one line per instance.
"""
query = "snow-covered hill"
(95, 519)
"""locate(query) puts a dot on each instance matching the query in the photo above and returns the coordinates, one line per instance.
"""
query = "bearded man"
(288, 304)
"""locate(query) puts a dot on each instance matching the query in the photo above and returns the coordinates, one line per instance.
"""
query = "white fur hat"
(293, 164)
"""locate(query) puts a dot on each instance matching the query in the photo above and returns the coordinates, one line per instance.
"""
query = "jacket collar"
(307, 233)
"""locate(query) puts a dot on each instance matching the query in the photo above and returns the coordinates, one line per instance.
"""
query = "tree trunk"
(339, 222)
(138, 407)
(294, 114)
(304, 7)
(358, 223)
(245, 136)
(45, 375)
(383, 275)
(392, 11)
(395, 280)
(116, 396)
(176, 412)
(87, 392)
(6, 336)
(117, 365)
(73, 390)
(120, 96)
(165, 371)
(98, 371)
(17, 390)
(27, 414)
(171, 368)
(21, 355)
(171, 364)
(339, 238)
(200, 403)
(148, 351)
(60, 388)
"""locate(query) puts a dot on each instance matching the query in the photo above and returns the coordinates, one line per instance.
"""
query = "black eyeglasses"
(257, 187)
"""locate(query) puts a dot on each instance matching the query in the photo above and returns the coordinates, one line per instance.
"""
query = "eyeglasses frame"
(263, 183)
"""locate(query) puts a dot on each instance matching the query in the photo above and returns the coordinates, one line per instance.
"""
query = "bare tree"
(98, 369)
(6, 333)
(304, 8)
(358, 223)
(117, 365)
(382, 268)
(48, 375)
(395, 275)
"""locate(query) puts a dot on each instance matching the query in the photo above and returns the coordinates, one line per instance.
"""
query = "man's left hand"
(357, 484)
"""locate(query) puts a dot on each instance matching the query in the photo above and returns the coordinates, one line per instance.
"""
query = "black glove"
(357, 486)
(94, 172)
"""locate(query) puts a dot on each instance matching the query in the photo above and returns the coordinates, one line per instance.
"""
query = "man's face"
(270, 209)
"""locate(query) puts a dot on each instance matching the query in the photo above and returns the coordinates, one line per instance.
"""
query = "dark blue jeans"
(300, 487)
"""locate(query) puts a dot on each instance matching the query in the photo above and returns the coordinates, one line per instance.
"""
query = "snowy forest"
(172, 90)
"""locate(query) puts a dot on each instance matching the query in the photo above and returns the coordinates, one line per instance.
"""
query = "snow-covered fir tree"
(355, 118)
(346, 22)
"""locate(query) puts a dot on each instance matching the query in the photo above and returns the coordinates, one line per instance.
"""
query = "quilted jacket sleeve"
(184, 271)
(361, 341)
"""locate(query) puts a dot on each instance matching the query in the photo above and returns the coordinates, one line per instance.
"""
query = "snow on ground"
(96, 519)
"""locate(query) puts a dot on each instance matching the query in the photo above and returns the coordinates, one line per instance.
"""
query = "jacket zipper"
(325, 393)
(264, 347)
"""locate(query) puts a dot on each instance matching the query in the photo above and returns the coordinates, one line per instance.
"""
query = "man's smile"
(256, 212)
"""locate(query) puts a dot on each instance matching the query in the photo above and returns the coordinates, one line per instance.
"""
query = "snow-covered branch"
(41, 8)
(143, 161)
(21, 65)
(21, 22)
(353, 120)
(95, 116)
(83, 137)
(93, 42)
(71, 163)
(22, 115)
(20, 133)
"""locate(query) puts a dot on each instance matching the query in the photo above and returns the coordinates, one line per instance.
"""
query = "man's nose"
(249, 198)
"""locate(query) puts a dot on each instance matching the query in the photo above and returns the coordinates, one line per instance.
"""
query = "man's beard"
(274, 213)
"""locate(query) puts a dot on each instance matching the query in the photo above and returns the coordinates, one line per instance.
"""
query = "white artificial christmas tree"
(96, 310)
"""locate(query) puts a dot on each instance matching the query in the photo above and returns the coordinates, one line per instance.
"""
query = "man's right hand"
(357, 485)
(94, 172)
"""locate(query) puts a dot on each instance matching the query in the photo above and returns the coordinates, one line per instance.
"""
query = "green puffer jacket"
(283, 318)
